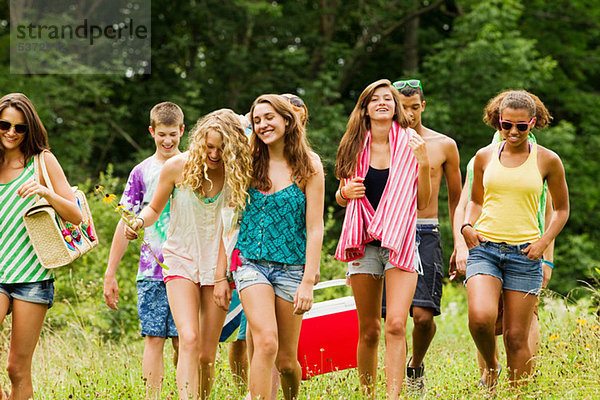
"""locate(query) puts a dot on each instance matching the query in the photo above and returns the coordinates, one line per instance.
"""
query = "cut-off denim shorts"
(284, 278)
(375, 261)
(34, 292)
(507, 263)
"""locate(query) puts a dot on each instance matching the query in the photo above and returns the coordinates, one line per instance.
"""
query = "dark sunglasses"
(295, 100)
(5, 126)
(413, 83)
(522, 126)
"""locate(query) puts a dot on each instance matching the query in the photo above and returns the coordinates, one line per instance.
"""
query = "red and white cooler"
(329, 334)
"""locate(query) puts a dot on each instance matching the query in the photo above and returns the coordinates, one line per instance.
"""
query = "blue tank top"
(273, 226)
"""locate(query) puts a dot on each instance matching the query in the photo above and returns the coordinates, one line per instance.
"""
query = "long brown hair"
(358, 125)
(296, 149)
(518, 100)
(36, 137)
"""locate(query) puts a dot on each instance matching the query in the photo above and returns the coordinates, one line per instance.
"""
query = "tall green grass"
(75, 362)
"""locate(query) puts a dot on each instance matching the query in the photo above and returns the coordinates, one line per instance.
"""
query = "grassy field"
(75, 364)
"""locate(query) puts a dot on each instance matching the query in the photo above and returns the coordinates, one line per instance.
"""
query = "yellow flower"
(109, 198)
(119, 208)
(553, 337)
(581, 322)
(595, 327)
(98, 188)
(576, 331)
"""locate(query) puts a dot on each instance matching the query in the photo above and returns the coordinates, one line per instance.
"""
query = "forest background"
(210, 54)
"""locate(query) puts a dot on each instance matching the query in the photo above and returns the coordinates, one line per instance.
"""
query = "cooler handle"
(331, 283)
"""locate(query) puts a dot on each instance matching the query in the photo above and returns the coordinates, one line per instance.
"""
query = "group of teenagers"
(239, 215)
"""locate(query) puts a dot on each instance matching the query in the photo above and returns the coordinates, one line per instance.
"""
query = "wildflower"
(595, 327)
(553, 337)
(120, 207)
(98, 188)
(109, 198)
(581, 322)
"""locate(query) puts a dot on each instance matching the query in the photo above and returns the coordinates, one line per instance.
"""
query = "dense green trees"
(208, 54)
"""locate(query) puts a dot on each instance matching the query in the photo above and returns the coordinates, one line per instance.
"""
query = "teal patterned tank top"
(273, 226)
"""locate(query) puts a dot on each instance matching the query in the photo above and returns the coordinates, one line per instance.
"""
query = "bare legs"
(518, 313)
(423, 332)
(269, 318)
(27, 320)
(199, 322)
(367, 290)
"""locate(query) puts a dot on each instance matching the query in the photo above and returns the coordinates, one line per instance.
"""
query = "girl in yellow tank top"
(501, 231)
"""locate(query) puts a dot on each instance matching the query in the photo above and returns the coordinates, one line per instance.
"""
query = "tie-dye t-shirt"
(138, 193)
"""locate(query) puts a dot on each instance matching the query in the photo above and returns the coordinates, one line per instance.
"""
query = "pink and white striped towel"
(395, 220)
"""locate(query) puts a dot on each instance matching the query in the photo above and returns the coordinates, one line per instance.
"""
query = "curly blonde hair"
(236, 156)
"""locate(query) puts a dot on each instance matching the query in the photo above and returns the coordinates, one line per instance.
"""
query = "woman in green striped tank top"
(502, 233)
(26, 288)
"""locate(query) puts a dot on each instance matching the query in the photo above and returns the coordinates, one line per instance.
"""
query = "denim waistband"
(504, 247)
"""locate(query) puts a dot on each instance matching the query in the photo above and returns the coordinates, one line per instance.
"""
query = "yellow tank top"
(511, 200)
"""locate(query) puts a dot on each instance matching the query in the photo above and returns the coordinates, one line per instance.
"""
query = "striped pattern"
(395, 220)
(18, 261)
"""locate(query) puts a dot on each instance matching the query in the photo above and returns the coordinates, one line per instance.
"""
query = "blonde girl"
(26, 288)
(205, 183)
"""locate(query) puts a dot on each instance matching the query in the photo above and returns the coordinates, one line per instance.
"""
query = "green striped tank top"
(18, 261)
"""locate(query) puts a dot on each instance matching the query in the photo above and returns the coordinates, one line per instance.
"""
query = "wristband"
(464, 226)
(221, 279)
(143, 222)
(548, 263)
(342, 194)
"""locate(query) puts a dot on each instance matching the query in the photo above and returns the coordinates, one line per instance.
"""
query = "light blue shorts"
(284, 278)
(375, 261)
(507, 263)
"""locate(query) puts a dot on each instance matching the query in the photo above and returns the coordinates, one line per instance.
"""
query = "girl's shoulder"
(315, 161)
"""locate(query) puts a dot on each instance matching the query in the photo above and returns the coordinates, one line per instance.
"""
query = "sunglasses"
(295, 100)
(522, 126)
(5, 126)
(413, 83)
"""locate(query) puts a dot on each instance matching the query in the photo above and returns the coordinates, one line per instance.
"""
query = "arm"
(222, 290)
(315, 198)
(471, 236)
(169, 175)
(117, 250)
(453, 178)
(419, 149)
(354, 189)
(557, 186)
(458, 260)
(549, 252)
(61, 197)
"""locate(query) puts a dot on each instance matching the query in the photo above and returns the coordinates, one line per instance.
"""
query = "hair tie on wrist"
(548, 263)
(464, 226)
(342, 194)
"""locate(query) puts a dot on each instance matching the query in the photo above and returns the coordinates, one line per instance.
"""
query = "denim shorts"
(508, 264)
(375, 261)
(33, 292)
(153, 309)
(284, 278)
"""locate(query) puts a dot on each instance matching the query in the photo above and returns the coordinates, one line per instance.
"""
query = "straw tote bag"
(56, 241)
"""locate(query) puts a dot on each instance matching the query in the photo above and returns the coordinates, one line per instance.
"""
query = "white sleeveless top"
(192, 246)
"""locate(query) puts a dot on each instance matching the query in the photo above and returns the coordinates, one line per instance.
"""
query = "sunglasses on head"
(19, 128)
(522, 126)
(413, 83)
(295, 100)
